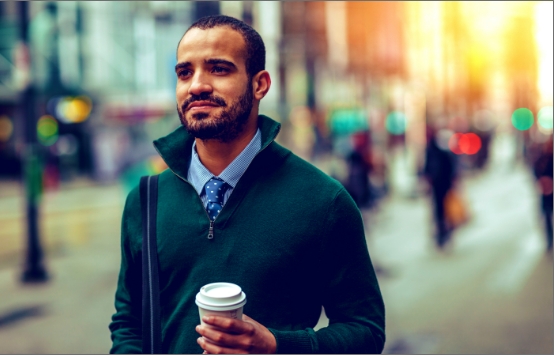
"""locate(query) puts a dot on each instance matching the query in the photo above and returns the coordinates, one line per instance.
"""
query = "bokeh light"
(442, 138)
(6, 128)
(545, 117)
(47, 130)
(454, 143)
(465, 143)
(522, 119)
(396, 123)
(348, 120)
(73, 109)
(470, 143)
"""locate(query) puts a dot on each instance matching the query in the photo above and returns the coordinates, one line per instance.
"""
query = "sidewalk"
(70, 313)
(492, 292)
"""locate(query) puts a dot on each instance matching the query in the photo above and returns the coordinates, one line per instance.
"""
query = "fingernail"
(199, 340)
(197, 328)
(205, 318)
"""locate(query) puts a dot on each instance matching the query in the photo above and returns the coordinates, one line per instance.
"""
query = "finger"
(210, 348)
(228, 325)
(217, 336)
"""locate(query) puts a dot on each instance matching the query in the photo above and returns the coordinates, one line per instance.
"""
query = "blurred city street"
(436, 117)
(490, 291)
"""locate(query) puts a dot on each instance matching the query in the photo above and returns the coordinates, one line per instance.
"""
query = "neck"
(216, 155)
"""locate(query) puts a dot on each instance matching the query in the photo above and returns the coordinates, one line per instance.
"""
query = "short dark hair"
(256, 52)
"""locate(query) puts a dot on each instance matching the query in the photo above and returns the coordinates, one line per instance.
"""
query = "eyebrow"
(182, 65)
(212, 61)
(220, 61)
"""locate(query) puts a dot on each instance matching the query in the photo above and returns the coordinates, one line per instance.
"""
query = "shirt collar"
(198, 175)
(175, 148)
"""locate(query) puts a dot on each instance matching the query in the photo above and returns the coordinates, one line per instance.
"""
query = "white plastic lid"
(221, 296)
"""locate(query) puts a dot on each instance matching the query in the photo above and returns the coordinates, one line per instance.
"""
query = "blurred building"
(382, 69)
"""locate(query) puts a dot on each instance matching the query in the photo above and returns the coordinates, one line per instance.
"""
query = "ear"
(261, 83)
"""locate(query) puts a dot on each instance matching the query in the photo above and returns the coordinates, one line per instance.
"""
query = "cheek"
(181, 92)
(231, 91)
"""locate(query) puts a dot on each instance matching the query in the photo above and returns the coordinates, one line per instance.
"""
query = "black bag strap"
(152, 333)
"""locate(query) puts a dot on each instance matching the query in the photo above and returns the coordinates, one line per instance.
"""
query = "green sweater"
(289, 235)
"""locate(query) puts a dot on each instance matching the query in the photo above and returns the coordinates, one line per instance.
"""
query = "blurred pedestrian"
(543, 170)
(439, 170)
(358, 163)
(482, 155)
(289, 235)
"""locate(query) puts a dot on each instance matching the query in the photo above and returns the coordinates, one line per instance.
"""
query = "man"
(439, 169)
(286, 233)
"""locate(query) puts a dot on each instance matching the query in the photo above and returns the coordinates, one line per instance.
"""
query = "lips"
(201, 105)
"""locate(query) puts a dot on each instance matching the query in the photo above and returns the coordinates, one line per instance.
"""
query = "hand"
(224, 335)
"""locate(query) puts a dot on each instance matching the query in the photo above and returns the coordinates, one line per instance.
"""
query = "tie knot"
(215, 189)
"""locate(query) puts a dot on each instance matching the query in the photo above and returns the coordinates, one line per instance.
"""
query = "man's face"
(214, 93)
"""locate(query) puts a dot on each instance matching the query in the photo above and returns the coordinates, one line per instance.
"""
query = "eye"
(183, 73)
(220, 70)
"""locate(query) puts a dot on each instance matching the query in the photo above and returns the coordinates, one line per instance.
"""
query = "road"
(491, 291)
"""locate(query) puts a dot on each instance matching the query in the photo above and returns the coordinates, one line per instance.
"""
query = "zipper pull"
(211, 230)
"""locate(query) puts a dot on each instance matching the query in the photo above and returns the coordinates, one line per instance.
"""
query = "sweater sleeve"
(125, 327)
(351, 294)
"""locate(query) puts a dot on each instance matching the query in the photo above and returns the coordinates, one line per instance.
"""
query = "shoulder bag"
(151, 332)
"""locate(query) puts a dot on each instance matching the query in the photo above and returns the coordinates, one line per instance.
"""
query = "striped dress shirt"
(198, 175)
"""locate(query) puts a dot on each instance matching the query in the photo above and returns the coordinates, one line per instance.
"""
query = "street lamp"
(34, 270)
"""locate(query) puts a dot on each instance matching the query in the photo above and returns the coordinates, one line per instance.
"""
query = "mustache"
(210, 98)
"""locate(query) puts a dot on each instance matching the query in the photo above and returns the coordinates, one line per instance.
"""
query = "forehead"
(217, 42)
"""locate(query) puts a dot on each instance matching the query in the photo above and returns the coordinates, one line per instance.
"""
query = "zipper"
(211, 228)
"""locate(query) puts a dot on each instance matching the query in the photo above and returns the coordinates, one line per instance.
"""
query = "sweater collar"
(175, 148)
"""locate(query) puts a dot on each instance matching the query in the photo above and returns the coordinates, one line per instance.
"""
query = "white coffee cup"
(221, 299)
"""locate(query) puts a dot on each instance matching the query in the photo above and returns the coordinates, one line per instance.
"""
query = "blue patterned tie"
(215, 189)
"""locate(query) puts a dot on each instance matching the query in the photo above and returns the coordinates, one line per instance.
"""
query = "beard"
(225, 126)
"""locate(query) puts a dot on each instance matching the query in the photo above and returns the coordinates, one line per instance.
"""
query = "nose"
(199, 85)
